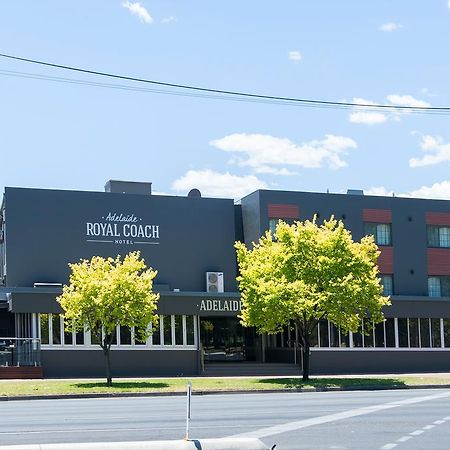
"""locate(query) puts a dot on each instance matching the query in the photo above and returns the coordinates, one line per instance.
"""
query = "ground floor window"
(172, 331)
(407, 332)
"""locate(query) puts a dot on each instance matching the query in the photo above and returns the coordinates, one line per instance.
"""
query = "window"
(273, 222)
(125, 335)
(387, 283)
(439, 286)
(446, 332)
(170, 331)
(178, 330)
(436, 332)
(190, 330)
(380, 231)
(438, 236)
(44, 328)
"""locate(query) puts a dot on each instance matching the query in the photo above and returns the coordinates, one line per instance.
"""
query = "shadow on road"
(343, 383)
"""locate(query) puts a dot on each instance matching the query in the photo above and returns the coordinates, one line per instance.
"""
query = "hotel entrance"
(224, 339)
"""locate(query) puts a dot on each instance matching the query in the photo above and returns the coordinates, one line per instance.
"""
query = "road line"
(297, 425)
(404, 438)
(388, 446)
(429, 427)
(439, 422)
(108, 430)
(416, 433)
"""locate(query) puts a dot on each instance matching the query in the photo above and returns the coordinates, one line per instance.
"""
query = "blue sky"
(72, 136)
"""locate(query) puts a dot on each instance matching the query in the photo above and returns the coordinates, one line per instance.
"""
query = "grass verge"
(57, 387)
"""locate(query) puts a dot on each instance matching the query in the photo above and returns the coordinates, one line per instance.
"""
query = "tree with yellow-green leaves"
(306, 272)
(106, 292)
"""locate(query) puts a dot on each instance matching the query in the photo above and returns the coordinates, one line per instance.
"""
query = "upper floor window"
(439, 286)
(387, 283)
(273, 222)
(438, 236)
(380, 231)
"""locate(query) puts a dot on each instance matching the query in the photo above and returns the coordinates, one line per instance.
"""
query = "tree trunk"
(108, 367)
(305, 358)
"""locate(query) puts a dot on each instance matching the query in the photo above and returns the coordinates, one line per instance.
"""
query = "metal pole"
(188, 408)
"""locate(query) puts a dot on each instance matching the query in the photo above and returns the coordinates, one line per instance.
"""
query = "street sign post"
(188, 408)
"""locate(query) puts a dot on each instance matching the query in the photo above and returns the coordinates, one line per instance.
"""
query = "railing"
(20, 351)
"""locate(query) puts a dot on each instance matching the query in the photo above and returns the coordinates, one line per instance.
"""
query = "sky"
(66, 130)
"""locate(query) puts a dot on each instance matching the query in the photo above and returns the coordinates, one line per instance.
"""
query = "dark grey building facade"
(190, 241)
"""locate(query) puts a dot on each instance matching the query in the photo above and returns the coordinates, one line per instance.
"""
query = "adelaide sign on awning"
(199, 304)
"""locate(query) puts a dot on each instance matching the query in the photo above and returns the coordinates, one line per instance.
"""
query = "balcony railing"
(20, 352)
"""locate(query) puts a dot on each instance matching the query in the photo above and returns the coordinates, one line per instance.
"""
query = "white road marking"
(417, 432)
(297, 425)
(414, 433)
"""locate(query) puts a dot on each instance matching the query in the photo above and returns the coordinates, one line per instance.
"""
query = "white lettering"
(89, 229)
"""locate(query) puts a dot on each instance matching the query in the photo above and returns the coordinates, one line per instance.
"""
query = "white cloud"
(448, 4)
(378, 190)
(262, 151)
(295, 55)
(439, 191)
(169, 19)
(216, 184)
(407, 100)
(436, 152)
(390, 26)
(365, 115)
(368, 118)
(137, 9)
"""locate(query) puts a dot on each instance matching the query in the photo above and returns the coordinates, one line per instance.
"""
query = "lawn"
(52, 387)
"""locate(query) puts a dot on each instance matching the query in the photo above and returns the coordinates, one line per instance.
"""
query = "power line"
(222, 93)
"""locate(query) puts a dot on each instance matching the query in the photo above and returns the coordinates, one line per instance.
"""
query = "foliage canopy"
(106, 292)
(306, 272)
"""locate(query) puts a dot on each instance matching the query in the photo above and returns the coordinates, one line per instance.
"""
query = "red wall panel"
(438, 261)
(438, 218)
(276, 211)
(377, 215)
(386, 260)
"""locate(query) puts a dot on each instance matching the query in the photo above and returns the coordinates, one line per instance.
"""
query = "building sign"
(221, 305)
(122, 229)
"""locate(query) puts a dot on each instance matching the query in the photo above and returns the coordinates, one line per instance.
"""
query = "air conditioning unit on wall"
(214, 281)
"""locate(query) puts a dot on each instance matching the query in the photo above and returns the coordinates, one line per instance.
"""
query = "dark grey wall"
(46, 229)
(124, 363)
(408, 225)
(251, 218)
(354, 362)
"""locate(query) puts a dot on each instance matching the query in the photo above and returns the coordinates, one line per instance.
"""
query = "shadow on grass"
(124, 385)
(297, 383)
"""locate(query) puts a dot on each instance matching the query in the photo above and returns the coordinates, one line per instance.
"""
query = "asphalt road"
(415, 419)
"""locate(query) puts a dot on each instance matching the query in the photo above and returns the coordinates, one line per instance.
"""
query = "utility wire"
(236, 94)
(127, 87)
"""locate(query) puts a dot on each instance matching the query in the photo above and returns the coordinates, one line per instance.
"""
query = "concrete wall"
(374, 361)
(124, 363)
(47, 229)
(409, 237)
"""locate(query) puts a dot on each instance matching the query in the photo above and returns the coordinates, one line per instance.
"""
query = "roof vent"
(355, 192)
(128, 187)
